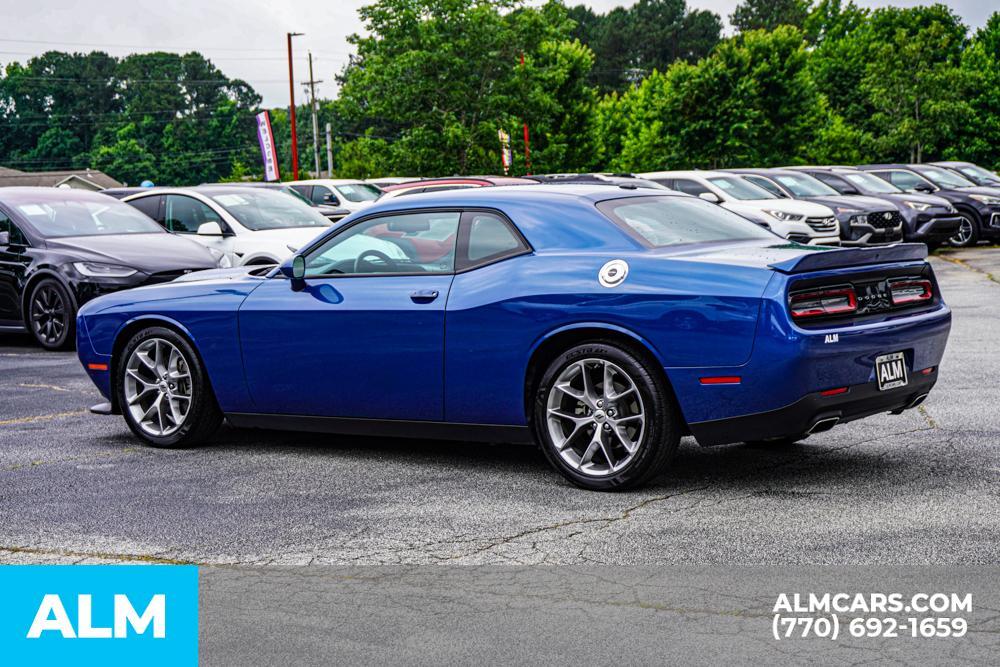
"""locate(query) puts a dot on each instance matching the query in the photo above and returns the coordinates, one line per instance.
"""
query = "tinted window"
(16, 237)
(259, 209)
(185, 214)
(903, 179)
(323, 195)
(834, 182)
(490, 238)
(979, 175)
(148, 205)
(70, 216)
(407, 243)
(666, 221)
(690, 187)
(762, 182)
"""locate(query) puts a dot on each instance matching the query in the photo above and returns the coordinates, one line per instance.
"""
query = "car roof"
(500, 194)
(459, 180)
(327, 181)
(952, 163)
(24, 194)
(690, 173)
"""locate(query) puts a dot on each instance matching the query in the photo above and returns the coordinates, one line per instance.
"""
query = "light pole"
(291, 108)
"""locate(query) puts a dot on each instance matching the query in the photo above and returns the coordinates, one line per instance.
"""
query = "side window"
(324, 195)
(903, 180)
(149, 205)
(835, 182)
(486, 238)
(16, 236)
(409, 243)
(690, 187)
(185, 214)
(767, 185)
(304, 190)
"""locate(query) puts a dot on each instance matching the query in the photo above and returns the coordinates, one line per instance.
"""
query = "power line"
(154, 48)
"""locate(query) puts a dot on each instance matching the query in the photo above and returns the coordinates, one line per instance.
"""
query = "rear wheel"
(163, 391)
(967, 234)
(51, 316)
(605, 418)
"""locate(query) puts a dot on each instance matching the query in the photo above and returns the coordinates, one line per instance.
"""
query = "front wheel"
(163, 391)
(606, 419)
(967, 234)
(51, 315)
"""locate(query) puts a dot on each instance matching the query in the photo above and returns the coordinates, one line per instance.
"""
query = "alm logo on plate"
(613, 273)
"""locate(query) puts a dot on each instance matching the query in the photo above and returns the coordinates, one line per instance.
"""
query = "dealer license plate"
(890, 370)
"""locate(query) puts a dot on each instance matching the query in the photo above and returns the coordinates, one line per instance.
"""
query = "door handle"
(423, 295)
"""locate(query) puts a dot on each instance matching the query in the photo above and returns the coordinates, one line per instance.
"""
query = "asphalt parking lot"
(920, 488)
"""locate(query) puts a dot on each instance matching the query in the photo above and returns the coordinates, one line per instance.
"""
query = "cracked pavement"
(919, 488)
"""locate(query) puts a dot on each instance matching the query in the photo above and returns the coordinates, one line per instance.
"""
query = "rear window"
(667, 221)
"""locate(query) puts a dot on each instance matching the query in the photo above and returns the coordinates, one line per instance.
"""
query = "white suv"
(352, 195)
(243, 225)
(796, 220)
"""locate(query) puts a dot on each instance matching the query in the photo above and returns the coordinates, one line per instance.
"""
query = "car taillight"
(823, 302)
(910, 291)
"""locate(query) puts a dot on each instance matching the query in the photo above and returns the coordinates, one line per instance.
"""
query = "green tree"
(769, 14)
(978, 139)
(438, 78)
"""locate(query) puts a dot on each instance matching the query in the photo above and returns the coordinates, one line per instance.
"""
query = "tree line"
(651, 86)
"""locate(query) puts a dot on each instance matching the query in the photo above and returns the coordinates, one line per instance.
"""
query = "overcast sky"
(246, 38)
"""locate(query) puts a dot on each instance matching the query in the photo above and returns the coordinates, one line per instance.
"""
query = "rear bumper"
(815, 412)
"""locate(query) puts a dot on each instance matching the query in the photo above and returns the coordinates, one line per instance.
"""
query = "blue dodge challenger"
(601, 322)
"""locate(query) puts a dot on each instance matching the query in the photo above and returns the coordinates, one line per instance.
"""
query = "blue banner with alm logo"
(99, 614)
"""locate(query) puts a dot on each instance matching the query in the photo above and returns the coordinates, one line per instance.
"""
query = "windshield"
(869, 183)
(737, 188)
(83, 217)
(979, 175)
(666, 221)
(358, 192)
(945, 179)
(803, 185)
(260, 209)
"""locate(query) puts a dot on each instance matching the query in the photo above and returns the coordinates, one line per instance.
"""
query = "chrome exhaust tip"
(823, 425)
(916, 401)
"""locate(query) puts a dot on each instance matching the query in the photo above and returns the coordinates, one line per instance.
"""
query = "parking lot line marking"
(42, 418)
(69, 459)
(138, 558)
(42, 386)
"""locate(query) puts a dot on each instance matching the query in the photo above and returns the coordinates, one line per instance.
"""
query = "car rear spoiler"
(846, 257)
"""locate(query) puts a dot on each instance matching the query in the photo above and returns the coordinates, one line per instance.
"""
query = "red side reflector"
(834, 392)
(818, 303)
(721, 379)
(927, 371)
(97, 367)
(910, 291)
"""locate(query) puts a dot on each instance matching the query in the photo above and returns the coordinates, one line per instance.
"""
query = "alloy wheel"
(48, 314)
(964, 233)
(595, 417)
(158, 388)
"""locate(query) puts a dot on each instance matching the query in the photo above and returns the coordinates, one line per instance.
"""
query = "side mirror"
(923, 187)
(850, 191)
(209, 229)
(710, 197)
(4, 239)
(330, 198)
(298, 267)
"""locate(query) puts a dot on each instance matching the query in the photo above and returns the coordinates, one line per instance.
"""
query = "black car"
(979, 206)
(59, 248)
(972, 172)
(863, 220)
(927, 219)
(121, 193)
(333, 213)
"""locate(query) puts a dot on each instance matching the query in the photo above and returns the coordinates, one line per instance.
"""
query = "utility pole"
(315, 118)
(527, 145)
(291, 108)
(329, 153)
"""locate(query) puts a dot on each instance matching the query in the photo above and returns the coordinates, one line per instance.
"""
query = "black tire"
(968, 234)
(50, 315)
(203, 417)
(660, 433)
